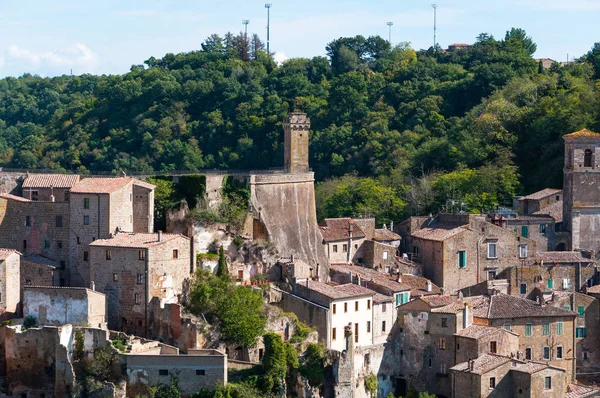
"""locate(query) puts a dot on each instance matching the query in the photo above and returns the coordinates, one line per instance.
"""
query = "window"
(491, 250)
(335, 248)
(402, 298)
(175, 253)
(368, 326)
(334, 308)
(86, 203)
(528, 329)
(384, 307)
(580, 310)
(46, 244)
(548, 382)
(542, 228)
(491, 275)
(115, 277)
(462, 259)
(58, 221)
(333, 334)
(78, 241)
(109, 254)
(355, 306)
(140, 279)
(28, 281)
(67, 193)
(559, 352)
(523, 249)
(492, 383)
(24, 245)
(86, 256)
(525, 231)
(566, 284)
(528, 353)
(580, 332)
(136, 298)
(430, 362)
(28, 221)
(34, 195)
(523, 288)
(385, 255)
(443, 368)
(442, 344)
(507, 326)
(356, 332)
(86, 220)
(383, 326)
(550, 284)
(345, 307)
(585, 355)
(567, 308)
(344, 248)
(63, 264)
(415, 252)
(560, 328)
(444, 322)
(546, 329)
(493, 347)
(200, 372)
(142, 254)
(59, 244)
(368, 304)
(587, 158)
(163, 372)
(547, 353)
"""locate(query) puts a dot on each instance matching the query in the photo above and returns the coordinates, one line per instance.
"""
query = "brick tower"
(581, 189)
(296, 127)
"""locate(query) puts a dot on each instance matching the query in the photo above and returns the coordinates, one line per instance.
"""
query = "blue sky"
(106, 37)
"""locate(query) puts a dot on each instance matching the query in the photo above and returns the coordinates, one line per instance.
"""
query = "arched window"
(587, 158)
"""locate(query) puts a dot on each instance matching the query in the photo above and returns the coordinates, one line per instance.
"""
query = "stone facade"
(10, 268)
(55, 306)
(296, 129)
(132, 269)
(36, 273)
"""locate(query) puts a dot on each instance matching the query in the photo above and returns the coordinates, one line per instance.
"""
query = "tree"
(314, 363)
(519, 38)
(371, 384)
(241, 316)
(274, 363)
(222, 270)
(593, 58)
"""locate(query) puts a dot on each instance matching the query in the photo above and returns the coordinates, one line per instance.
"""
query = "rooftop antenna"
(434, 25)
(390, 24)
(246, 22)
(268, 7)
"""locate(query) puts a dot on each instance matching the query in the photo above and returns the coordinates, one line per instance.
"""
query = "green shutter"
(528, 329)
(550, 283)
(584, 332)
(404, 298)
(559, 328)
(546, 330)
(581, 310)
(462, 259)
(567, 307)
(525, 231)
(397, 299)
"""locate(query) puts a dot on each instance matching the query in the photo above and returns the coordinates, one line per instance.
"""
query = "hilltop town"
(95, 300)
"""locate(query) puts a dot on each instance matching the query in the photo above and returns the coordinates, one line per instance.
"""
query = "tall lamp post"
(268, 7)
(390, 24)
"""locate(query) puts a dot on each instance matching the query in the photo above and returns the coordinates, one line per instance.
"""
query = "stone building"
(343, 240)
(9, 282)
(492, 375)
(133, 268)
(55, 306)
(581, 184)
(48, 187)
(463, 251)
(537, 201)
(296, 130)
(546, 333)
(100, 207)
(37, 271)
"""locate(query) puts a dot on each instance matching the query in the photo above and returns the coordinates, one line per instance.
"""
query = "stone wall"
(10, 289)
(10, 182)
(37, 274)
(143, 209)
(309, 313)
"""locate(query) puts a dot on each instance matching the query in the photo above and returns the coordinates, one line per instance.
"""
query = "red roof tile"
(4, 253)
(544, 193)
(339, 291)
(385, 235)
(555, 210)
(135, 240)
(478, 331)
(483, 364)
(581, 391)
(439, 233)
(101, 185)
(339, 229)
(562, 257)
(13, 197)
(50, 180)
(501, 306)
(582, 133)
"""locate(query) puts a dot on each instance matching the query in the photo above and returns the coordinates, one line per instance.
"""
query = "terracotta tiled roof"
(532, 217)
(582, 133)
(385, 235)
(562, 257)
(581, 391)
(339, 291)
(135, 240)
(4, 253)
(100, 185)
(439, 233)
(555, 210)
(594, 289)
(339, 229)
(459, 45)
(13, 197)
(143, 184)
(50, 180)
(502, 306)
(544, 193)
(30, 287)
(530, 367)
(418, 285)
(382, 298)
(483, 364)
(478, 331)
(439, 301)
(453, 308)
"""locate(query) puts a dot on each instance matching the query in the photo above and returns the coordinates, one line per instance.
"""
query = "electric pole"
(390, 24)
(434, 25)
(246, 22)
(268, 7)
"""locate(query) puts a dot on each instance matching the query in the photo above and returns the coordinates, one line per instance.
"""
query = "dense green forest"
(394, 131)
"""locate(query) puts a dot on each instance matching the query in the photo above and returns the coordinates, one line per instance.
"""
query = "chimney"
(351, 280)
(466, 317)
(292, 259)
(399, 279)
(471, 365)
(307, 283)
(392, 226)
(52, 198)
(160, 236)
(358, 277)
(93, 285)
(318, 275)
(429, 286)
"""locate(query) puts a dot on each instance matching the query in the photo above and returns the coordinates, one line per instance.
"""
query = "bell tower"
(581, 189)
(296, 127)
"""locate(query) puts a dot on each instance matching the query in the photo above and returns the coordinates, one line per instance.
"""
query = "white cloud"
(279, 58)
(77, 56)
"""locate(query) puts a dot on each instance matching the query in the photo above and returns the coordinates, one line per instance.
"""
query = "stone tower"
(581, 189)
(295, 127)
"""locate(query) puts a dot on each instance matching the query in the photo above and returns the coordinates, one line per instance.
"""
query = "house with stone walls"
(56, 306)
(10, 268)
(134, 268)
(99, 207)
(463, 251)
(48, 187)
(37, 271)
